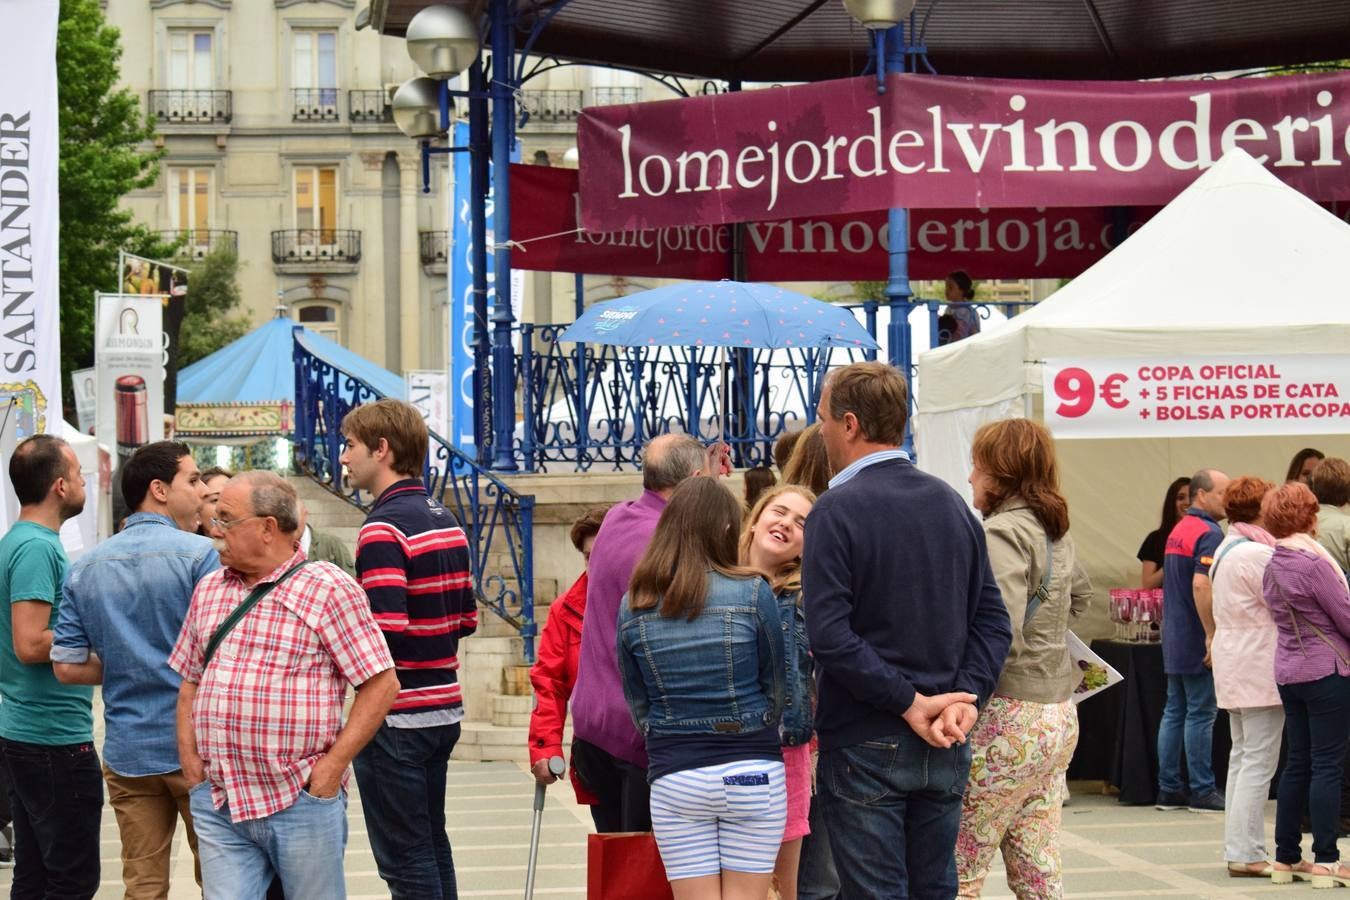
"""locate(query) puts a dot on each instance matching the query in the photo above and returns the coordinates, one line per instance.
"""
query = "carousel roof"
(259, 367)
(813, 40)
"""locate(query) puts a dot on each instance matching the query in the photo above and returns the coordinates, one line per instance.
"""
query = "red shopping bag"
(625, 866)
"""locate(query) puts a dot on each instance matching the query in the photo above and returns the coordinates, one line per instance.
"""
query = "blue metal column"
(503, 138)
(480, 160)
(898, 291)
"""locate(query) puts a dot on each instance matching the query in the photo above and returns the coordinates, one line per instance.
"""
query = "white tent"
(1236, 263)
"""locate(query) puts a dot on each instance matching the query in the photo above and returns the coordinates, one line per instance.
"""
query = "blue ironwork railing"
(587, 405)
(498, 521)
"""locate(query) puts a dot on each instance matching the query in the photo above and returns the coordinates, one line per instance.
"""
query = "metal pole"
(583, 414)
(482, 351)
(503, 138)
(898, 291)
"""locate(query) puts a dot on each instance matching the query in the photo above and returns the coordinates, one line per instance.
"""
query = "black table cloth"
(1118, 728)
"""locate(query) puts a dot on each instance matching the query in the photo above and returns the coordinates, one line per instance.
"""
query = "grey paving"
(1109, 850)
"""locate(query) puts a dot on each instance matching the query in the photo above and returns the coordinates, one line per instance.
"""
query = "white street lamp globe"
(442, 40)
(874, 14)
(571, 158)
(417, 108)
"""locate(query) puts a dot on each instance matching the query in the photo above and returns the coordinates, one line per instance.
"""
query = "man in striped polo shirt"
(412, 558)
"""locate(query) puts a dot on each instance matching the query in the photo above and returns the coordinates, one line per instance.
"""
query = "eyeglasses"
(227, 525)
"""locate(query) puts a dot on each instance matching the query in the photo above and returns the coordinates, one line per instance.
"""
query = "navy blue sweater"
(899, 598)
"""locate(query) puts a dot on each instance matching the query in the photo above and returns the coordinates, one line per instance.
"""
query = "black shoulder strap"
(238, 613)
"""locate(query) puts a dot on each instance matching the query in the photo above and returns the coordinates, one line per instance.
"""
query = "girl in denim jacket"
(700, 649)
(771, 544)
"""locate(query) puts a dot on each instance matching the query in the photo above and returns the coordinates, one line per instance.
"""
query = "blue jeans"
(401, 773)
(57, 794)
(892, 809)
(1188, 718)
(1317, 723)
(303, 845)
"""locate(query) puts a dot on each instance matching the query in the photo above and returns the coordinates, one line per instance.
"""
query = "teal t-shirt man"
(35, 708)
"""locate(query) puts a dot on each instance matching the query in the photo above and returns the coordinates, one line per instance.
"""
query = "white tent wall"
(1238, 263)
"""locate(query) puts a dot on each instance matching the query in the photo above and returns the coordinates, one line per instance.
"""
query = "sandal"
(1283, 873)
(1259, 869)
(1324, 876)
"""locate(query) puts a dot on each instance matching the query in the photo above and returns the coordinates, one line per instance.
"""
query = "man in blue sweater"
(910, 632)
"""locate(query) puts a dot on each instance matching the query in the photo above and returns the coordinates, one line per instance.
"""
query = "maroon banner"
(1003, 243)
(933, 142)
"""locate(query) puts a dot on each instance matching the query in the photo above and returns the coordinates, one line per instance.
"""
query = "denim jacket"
(800, 701)
(125, 600)
(722, 673)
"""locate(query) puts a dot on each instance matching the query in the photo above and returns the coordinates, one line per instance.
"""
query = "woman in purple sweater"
(1310, 604)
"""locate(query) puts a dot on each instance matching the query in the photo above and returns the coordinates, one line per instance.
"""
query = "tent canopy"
(1238, 263)
(259, 368)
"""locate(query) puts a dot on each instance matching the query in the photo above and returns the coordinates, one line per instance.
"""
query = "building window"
(190, 201)
(320, 318)
(314, 66)
(191, 55)
(316, 204)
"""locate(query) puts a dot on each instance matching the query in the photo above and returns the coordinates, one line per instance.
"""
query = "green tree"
(214, 316)
(104, 154)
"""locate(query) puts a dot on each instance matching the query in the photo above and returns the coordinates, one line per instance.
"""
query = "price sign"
(1197, 396)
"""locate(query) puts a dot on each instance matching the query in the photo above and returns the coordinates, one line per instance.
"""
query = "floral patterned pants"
(1019, 754)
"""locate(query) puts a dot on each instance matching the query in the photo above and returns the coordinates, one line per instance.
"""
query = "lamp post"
(884, 21)
(444, 42)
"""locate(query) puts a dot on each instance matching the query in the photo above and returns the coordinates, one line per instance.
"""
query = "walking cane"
(556, 767)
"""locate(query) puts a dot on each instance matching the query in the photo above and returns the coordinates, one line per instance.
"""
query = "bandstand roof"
(812, 40)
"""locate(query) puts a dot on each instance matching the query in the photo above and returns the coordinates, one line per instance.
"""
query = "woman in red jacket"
(555, 671)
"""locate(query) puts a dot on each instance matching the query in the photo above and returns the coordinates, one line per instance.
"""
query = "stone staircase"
(494, 679)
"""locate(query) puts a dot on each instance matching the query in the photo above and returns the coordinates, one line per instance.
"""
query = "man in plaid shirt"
(260, 732)
(413, 561)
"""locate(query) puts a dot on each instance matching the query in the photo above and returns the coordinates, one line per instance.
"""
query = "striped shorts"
(728, 816)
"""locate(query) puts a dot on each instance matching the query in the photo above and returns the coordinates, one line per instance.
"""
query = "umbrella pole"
(726, 354)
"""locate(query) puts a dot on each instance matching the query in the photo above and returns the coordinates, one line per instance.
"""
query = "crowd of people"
(786, 696)
(225, 659)
(1257, 622)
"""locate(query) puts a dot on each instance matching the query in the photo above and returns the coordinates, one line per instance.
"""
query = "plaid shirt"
(270, 703)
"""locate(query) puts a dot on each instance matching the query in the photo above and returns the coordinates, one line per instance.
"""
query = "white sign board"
(85, 384)
(429, 392)
(129, 359)
(1197, 396)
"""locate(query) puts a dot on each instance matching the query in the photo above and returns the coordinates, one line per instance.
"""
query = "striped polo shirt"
(412, 559)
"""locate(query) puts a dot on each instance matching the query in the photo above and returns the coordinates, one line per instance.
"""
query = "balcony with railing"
(369, 108)
(198, 243)
(435, 248)
(315, 105)
(552, 106)
(612, 96)
(316, 249)
(191, 107)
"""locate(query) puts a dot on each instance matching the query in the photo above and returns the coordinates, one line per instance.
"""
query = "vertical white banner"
(129, 372)
(30, 346)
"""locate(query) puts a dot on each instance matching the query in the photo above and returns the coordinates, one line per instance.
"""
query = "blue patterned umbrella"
(719, 314)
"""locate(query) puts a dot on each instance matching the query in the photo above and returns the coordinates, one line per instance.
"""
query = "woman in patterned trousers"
(1022, 742)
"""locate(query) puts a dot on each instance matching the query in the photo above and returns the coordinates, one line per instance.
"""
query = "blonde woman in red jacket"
(555, 670)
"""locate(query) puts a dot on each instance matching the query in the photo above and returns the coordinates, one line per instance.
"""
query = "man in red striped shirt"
(412, 559)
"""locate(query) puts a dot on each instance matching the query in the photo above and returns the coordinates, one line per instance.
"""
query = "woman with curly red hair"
(1310, 603)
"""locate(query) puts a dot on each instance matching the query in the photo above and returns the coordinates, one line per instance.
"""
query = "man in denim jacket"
(124, 605)
(910, 632)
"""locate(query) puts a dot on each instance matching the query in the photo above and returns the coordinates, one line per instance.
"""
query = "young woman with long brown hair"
(771, 544)
(701, 660)
(1025, 735)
